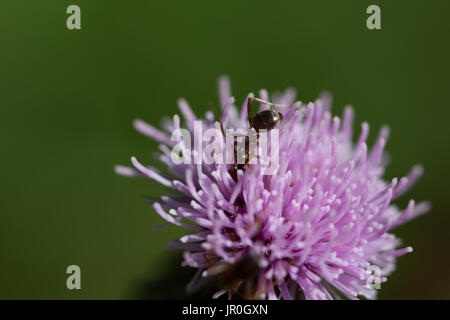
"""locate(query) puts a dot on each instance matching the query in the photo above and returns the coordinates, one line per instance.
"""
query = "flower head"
(319, 227)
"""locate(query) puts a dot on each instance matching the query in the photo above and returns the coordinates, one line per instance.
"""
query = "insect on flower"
(264, 120)
(312, 228)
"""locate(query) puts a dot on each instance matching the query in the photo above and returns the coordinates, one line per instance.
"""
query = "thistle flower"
(317, 228)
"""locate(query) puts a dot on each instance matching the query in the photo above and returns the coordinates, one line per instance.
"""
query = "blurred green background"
(68, 99)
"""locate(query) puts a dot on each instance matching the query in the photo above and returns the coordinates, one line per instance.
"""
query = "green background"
(68, 99)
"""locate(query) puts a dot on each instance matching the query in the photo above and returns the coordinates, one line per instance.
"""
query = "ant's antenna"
(271, 104)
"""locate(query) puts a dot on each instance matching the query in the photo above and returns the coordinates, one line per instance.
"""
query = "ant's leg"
(249, 112)
(222, 129)
(216, 115)
(233, 172)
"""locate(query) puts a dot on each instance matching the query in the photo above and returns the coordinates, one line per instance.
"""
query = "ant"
(264, 120)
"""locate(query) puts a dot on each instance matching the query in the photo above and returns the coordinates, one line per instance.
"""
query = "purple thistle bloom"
(318, 227)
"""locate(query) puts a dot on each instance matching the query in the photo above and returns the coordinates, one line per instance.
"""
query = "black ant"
(264, 120)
